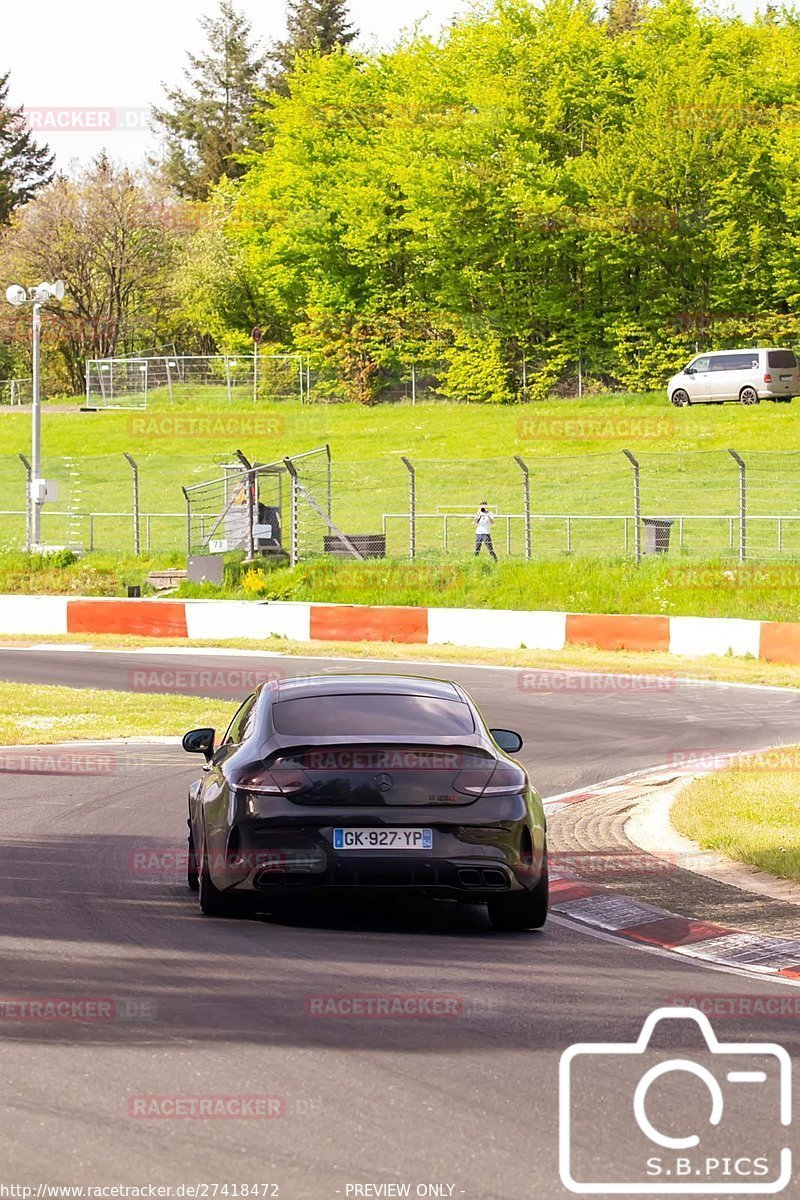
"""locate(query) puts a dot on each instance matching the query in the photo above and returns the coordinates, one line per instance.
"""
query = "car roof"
(351, 683)
(741, 350)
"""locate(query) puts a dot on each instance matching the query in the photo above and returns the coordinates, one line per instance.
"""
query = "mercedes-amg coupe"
(369, 783)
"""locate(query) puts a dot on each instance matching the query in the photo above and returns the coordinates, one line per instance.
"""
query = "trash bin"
(656, 534)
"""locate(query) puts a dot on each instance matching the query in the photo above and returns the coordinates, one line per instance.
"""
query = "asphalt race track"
(191, 1007)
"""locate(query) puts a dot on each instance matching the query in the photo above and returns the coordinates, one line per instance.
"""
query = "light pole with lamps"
(37, 297)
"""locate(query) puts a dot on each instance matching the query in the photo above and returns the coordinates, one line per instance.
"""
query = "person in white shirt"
(483, 526)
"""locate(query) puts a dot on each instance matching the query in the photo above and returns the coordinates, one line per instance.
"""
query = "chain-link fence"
(743, 505)
(136, 382)
(700, 504)
(16, 392)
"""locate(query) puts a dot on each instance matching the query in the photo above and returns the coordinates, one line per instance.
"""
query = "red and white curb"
(606, 911)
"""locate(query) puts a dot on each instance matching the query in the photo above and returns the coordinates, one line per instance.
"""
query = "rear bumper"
(451, 879)
(465, 862)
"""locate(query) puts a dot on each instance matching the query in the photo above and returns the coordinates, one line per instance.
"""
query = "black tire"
(192, 874)
(521, 910)
(748, 396)
(680, 398)
(213, 902)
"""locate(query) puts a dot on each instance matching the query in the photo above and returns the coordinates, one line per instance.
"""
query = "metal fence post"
(188, 523)
(28, 508)
(742, 504)
(251, 483)
(526, 478)
(135, 468)
(412, 507)
(294, 512)
(228, 378)
(329, 481)
(637, 505)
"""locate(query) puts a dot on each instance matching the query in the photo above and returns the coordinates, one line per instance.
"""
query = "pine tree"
(210, 125)
(623, 16)
(318, 25)
(24, 165)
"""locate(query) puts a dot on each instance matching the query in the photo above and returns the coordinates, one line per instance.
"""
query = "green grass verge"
(660, 586)
(39, 716)
(748, 814)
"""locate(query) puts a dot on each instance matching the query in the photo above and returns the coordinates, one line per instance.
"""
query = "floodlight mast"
(37, 297)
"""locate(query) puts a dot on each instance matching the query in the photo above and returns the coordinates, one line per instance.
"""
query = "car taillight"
(505, 779)
(280, 781)
(767, 379)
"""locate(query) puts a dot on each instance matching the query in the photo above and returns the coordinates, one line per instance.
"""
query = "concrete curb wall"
(482, 628)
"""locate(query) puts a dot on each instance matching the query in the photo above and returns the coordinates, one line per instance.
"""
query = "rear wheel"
(213, 902)
(521, 910)
(192, 876)
(680, 398)
(748, 396)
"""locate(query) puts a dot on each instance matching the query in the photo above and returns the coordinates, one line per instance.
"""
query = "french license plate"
(383, 839)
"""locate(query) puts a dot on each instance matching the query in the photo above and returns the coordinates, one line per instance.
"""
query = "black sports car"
(364, 782)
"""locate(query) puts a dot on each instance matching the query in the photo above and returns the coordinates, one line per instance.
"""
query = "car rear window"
(782, 358)
(372, 714)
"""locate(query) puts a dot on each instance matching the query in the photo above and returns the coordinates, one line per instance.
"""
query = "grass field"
(750, 814)
(37, 716)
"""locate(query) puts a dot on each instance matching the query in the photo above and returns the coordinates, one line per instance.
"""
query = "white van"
(745, 375)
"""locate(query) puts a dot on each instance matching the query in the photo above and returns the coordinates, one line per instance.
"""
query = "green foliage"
(538, 182)
(111, 235)
(476, 371)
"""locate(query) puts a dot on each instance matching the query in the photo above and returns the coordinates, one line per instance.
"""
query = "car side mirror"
(200, 741)
(507, 740)
(688, 370)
